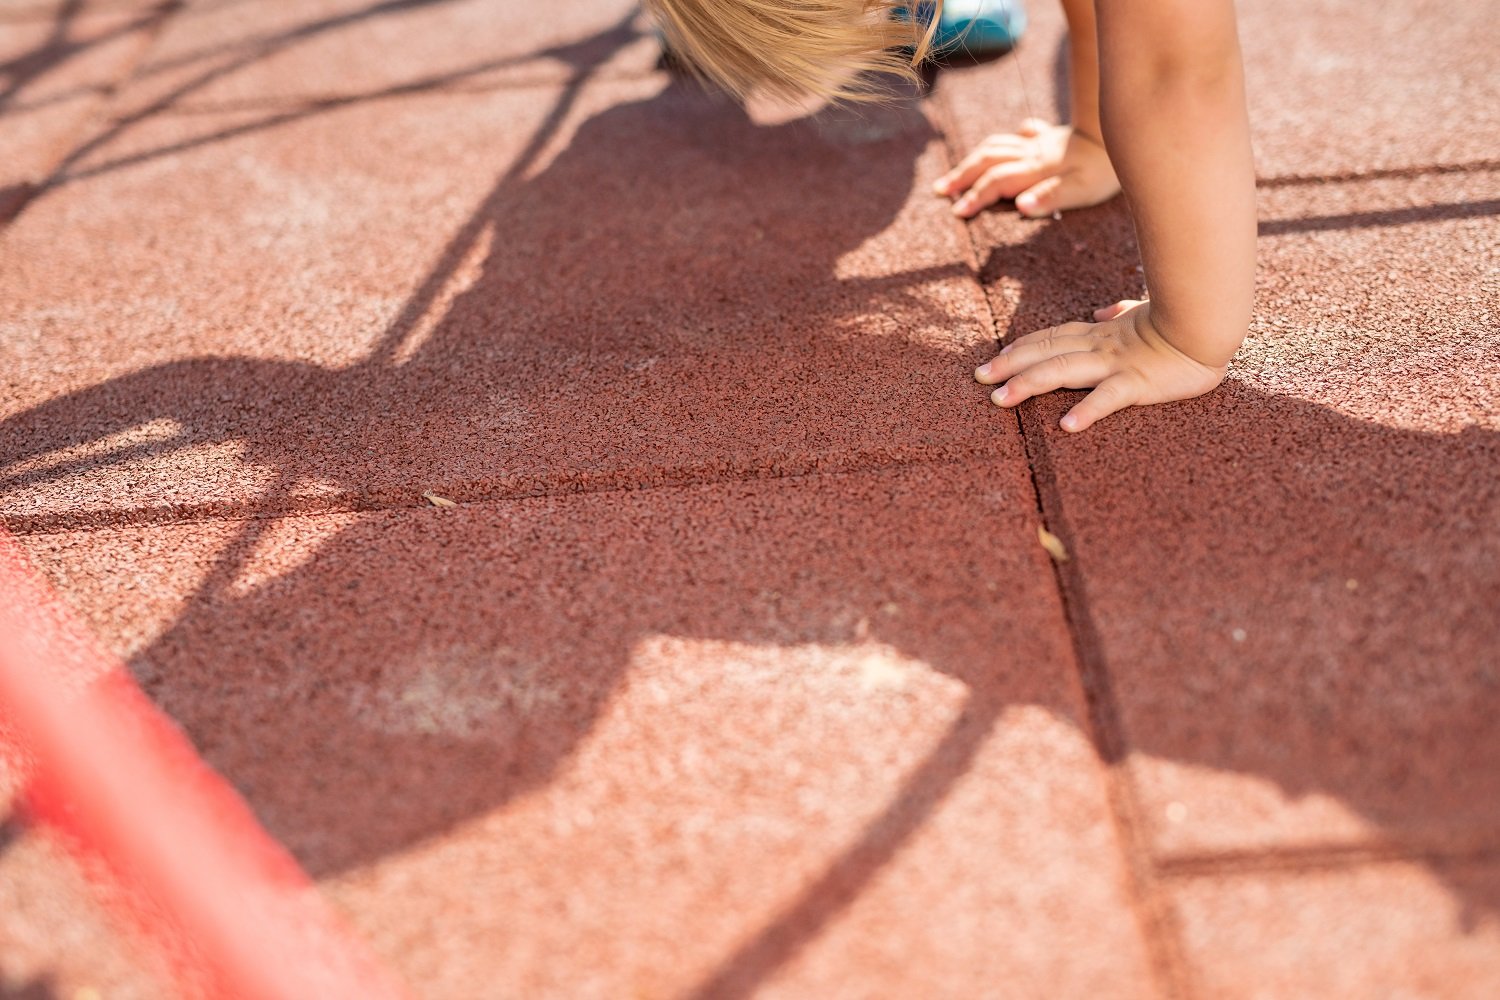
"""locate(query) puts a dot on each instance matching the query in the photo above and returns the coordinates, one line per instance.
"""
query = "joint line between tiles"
(1320, 858)
(157, 517)
(1161, 935)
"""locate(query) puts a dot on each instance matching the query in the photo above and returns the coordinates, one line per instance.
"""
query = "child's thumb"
(1042, 198)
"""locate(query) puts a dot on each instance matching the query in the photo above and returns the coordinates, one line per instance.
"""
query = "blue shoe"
(974, 28)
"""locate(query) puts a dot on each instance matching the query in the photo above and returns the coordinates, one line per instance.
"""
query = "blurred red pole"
(122, 785)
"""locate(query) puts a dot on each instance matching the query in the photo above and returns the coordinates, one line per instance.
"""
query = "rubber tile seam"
(1314, 858)
(1381, 217)
(1161, 934)
(1164, 937)
(42, 526)
(1384, 173)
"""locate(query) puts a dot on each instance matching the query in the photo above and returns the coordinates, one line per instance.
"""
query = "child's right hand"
(1124, 356)
(1045, 168)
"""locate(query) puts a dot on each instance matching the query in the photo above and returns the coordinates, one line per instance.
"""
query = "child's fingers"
(1050, 333)
(1018, 357)
(1005, 180)
(1110, 396)
(1041, 199)
(1058, 194)
(995, 149)
(960, 177)
(1078, 370)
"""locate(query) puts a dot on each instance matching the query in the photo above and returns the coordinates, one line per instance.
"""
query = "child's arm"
(1173, 111)
(1046, 168)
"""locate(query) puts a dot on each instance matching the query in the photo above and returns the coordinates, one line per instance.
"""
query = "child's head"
(797, 48)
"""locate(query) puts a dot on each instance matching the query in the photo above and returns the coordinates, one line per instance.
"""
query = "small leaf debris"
(1054, 546)
(438, 501)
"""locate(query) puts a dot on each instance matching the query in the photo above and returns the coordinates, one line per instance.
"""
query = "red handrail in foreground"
(106, 769)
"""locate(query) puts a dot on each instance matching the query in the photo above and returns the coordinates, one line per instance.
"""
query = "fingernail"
(1026, 203)
(983, 371)
(1070, 423)
(999, 394)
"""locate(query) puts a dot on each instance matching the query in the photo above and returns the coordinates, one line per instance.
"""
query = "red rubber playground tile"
(268, 53)
(1290, 582)
(1334, 89)
(57, 941)
(1350, 87)
(834, 747)
(54, 73)
(1376, 931)
(14, 11)
(452, 294)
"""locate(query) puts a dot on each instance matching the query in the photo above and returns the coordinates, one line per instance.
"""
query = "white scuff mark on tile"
(467, 691)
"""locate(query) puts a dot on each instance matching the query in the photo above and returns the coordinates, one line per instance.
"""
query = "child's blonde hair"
(798, 48)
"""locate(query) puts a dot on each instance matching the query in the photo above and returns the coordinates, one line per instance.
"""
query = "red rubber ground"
(115, 782)
(738, 669)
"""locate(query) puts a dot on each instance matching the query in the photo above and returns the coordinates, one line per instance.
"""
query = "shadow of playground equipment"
(522, 641)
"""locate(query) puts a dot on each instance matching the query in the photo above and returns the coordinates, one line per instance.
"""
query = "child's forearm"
(1177, 131)
(1083, 67)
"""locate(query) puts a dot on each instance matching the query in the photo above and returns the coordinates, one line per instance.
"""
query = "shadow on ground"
(341, 785)
(36, 989)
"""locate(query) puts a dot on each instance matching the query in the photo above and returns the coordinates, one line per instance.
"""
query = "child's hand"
(1045, 168)
(1123, 357)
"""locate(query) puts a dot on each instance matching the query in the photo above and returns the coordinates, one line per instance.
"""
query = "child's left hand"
(1124, 357)
(1045, 168)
